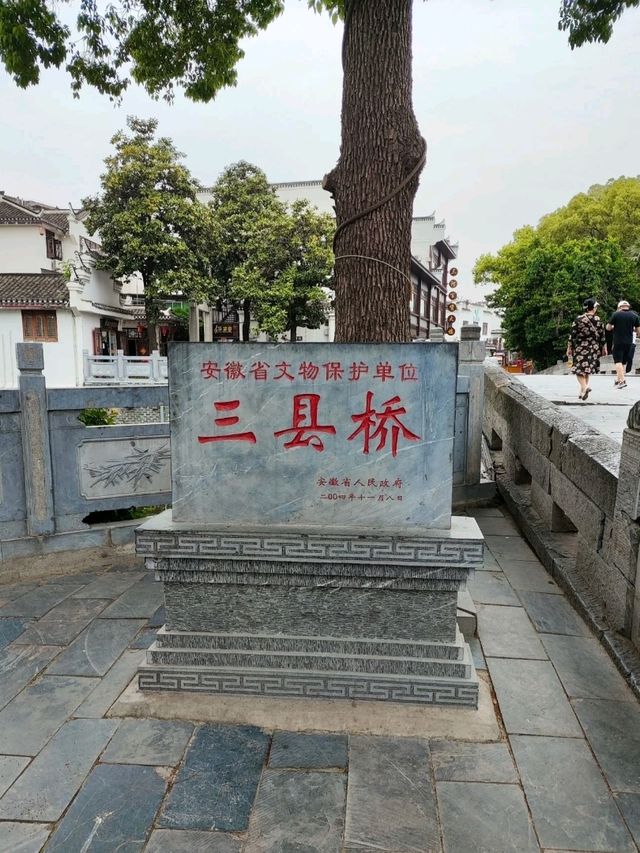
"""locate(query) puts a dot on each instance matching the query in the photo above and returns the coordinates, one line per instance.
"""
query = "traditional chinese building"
(432, 254)
(51, 291)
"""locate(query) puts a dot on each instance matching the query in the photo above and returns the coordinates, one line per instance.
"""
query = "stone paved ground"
(606, 408)
(565, 775)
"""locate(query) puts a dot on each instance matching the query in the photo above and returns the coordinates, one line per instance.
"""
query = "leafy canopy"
(191, 44)
(587, 248)
(273, 258)
(149, 219)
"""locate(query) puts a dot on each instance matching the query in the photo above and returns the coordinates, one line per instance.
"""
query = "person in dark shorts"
(623, 323)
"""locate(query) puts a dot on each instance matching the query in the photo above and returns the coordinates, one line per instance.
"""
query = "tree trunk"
(293, 325)
(381, 156)
(246, 319)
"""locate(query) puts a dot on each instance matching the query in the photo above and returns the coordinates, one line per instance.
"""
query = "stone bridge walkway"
(562, 774)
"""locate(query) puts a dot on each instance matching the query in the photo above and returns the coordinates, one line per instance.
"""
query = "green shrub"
(98, 417)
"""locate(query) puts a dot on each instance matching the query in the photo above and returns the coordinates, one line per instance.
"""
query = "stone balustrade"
(576, 496)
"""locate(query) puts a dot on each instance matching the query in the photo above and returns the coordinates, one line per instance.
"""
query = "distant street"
(606, 409)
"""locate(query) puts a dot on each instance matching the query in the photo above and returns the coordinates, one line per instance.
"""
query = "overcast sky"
(516, 123)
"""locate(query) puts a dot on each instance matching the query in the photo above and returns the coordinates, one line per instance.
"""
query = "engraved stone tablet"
(318, 435)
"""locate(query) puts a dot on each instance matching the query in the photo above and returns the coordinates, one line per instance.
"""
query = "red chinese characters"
(374, 424)
(229, 420)
(305, 424)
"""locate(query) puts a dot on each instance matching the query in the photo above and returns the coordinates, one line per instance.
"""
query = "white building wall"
(59, 358)
(23, 249)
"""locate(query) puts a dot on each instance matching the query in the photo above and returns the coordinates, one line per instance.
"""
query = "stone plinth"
(291, 611)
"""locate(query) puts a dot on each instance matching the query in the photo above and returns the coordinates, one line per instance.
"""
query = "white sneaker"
(621, 385)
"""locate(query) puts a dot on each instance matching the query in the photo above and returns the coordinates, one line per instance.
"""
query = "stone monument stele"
(310, 550)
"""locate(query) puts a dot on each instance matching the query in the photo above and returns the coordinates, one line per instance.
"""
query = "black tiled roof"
(18, 289)
(14, 211)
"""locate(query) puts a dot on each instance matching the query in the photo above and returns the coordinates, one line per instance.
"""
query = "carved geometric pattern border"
(310, 686)
(273, 547)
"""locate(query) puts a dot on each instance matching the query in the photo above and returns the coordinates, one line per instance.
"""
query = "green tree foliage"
(591, 20)
(150, 221)
(288, 266)
(272, 259)
(542, 283)
(195, 45)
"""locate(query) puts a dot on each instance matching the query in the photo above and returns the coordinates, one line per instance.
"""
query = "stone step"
(235, 659)
(167, 638)
(466, 614)
(272, 683)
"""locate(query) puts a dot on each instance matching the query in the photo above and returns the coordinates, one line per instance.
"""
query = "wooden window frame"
(54, 247)
(48, 324)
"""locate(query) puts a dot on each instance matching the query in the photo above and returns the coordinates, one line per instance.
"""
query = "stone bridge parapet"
(576, 495)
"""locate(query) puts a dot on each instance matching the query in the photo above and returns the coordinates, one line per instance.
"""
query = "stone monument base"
(351, 614)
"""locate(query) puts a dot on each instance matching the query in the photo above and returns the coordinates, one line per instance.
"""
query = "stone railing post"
(121, 366)
(36, 453)
(86, 367)
(626, 523)
(154, 367)
(470, 363)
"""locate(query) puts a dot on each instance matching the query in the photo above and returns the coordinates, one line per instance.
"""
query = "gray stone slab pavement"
(73, 779)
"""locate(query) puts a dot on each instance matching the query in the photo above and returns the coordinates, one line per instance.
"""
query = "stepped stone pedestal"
(310, 549)
(280, 612)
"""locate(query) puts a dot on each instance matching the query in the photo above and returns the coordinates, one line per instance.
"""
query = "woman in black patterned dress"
(587, 343)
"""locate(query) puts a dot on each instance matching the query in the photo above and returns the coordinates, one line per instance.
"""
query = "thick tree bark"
(381, 156)
(246, 319)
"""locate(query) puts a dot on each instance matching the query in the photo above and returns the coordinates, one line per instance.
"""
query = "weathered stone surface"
(323, 645)
(308, 751)
(628, 493)
(298, 810)
(110, 585)
(455, 761)
(139, 601)
(111, 686)
(23, 837)
(29, 720)
(536, 464)
(63, 623)
(492, 588)
(581, 510)
(144, 639)
(406, 689)
(507, 632)
(510, 547)
(390, 800)
(585, 669)
(591, 461)
(621, 545)
(191, 841)
(613, 730)
(113, 811)
(530, 575)
(552, 614)
(40, 600)
(97, 648)
(11, 766)
(216, 785)
(303, 661)
(154, 742)
(531, 698)
(10, 629)
(424, 466)
(19, 664)
(50, 782)
(542, 503)
(607, 584)
(629, 805)
(477, 816)
(571, 805)
(388, 614)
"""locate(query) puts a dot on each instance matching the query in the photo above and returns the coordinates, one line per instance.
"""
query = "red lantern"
(164, 331)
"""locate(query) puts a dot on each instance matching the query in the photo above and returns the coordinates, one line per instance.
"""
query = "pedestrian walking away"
(587, 342)
(623, 323)
(632, 352)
